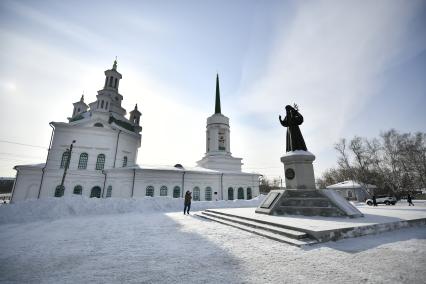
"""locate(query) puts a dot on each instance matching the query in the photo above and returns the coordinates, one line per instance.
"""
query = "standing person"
(409, 200)
(187, 204)
(374, 200)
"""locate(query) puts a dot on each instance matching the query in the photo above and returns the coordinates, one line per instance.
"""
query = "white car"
(388, 200)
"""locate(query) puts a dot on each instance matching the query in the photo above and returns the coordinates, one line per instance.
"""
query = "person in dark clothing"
(374, 201)
(187, 204)
(409, 200)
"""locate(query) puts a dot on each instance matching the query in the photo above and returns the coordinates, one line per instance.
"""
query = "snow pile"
(57, 208)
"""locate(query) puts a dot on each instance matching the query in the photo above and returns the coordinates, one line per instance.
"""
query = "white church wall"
(202, 181)
(157, 179)
(26, 184)
(87, 180)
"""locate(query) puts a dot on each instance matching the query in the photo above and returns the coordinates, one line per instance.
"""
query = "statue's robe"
(295, 139)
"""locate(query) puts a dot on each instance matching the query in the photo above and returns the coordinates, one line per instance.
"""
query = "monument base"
(298, 169)
(307, 202)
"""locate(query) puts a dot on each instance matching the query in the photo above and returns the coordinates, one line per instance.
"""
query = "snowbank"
(57, 208)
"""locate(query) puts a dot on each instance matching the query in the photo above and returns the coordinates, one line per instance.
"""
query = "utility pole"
(67, 164)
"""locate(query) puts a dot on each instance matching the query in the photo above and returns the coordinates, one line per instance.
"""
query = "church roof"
(179, 169)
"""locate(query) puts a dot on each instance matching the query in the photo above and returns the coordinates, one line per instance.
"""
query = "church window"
(163, 191)
(95, 192)
(82, 162)
(106, 105)
(98, 125)
(208, 193)
(150, 191)
(78, 190)
(78, 110)
(196, 192)
(65, 158)
(249, 195)
(109, 191)
(59, 191)
(240, 193)
(176, 192)
(222, 140)
(100, 162)
(110, 81)
(115, 83)
(125, 161)
(230, 193)
(102, 104)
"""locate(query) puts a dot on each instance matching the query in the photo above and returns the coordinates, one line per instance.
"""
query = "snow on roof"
(31, 166)
(178, 168)
(350, 184)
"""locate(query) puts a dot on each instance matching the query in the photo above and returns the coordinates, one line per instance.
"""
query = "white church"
(94, 154)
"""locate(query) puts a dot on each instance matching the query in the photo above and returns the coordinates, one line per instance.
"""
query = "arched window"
(82, 162)
(163, 191)
(196, 192)
(110, 81)
(102, 104)
(240, 193)
(109, 191)
(65, 158)
(249, 196)
(208, 193)
(78, 110)
(150, 191)
(106, 105)
(95, 192)
(125, 161)
(176, 192)
(100, 162)
(230, 193)
(115, 83)
(78, 190)
(59, 191)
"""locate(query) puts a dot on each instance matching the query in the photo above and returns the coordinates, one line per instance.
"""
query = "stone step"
(254, 220)
(261, 232)
(306, 202)
(310, 211)
(274, 229)
(303, 193)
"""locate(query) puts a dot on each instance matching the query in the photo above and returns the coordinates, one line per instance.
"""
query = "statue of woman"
(292, 121)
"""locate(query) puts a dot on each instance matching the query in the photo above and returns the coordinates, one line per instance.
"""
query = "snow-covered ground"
(82, 240)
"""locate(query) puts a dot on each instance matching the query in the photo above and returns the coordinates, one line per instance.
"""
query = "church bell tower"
(218, 145)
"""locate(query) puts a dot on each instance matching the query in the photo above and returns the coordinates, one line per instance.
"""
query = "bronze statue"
(292, 121)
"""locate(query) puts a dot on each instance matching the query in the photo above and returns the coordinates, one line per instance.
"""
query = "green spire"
(217, 105)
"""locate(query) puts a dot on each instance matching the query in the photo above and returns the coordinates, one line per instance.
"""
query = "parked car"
(388, 200)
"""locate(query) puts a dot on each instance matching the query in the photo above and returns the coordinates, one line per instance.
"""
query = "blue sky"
(353, 67)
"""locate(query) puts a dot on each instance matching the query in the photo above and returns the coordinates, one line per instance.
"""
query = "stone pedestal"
(300, 196)
(298, 170)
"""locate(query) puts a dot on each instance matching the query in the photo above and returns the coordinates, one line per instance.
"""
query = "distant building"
(352, 190)
(6, 186)
(102, 160)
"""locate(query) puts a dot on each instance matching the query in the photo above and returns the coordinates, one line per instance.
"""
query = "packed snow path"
(161, 247)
